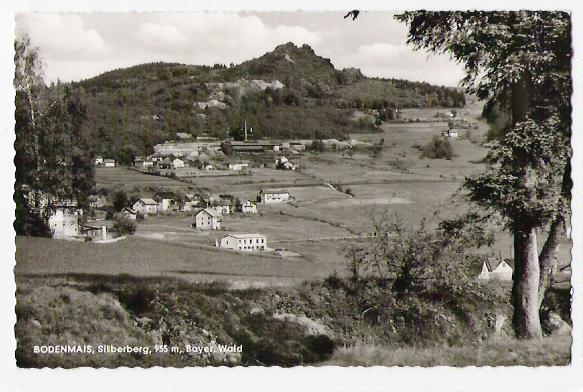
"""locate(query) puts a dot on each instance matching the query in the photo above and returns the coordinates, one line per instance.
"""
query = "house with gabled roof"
(248, 207)
(207, 219)
(494, 268)
(165, 200)
(145, 206)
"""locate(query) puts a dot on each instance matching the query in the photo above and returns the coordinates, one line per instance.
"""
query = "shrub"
(438, 148)
(124, 226)
(120, 200)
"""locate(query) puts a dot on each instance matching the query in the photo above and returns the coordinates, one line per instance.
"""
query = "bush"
(120, 200)
(124, 226)
(437, 148)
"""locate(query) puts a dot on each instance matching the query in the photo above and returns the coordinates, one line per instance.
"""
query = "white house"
(243, 242)
(493, 268)
(207, 166)
(238, 166)
(129, 213)
(207, 219)
(451, 133)
(283, 163)
(109, 162)
(270, 196)
(165, 200)
(222, 209)
(248, 207)
(64, 221)
(146, 206)
(176, 163)
(143, 163)
(98, 160)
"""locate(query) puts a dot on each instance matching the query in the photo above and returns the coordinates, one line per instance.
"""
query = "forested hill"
(289, 92)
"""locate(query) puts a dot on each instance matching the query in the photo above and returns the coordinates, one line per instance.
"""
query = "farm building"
(177, 163)
(207, 219)
(64, 221)
(98, 160)
(282, 163)
(243, 242)
(95, 231)
(129, 213)
(196, 199)
(269, 196)
(223, 208)
(145, 206)
(451, 133)
(97, 201)
(143, 162)
(493, 268)
(238, 166)
(165, 200)
(109, 162)
(248, 207)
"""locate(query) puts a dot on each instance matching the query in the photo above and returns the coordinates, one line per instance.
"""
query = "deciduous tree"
(520, 61)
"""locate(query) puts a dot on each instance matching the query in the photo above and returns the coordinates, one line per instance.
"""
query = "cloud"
(62, 36)
(224, 37)
(399, 61)
(161, 37)
(83, 45)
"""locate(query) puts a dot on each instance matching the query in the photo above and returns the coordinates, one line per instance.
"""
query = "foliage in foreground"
(437, 148)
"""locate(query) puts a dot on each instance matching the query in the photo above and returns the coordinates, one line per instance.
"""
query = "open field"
(148, 258)
(123, 177)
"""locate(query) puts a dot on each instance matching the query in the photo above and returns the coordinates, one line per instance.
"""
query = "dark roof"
(208, 211)
(165, 195)
(273, 191)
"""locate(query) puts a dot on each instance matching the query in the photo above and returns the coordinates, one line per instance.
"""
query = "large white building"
(243, 242)
(270, 196)
(207, 219)
(64, 222)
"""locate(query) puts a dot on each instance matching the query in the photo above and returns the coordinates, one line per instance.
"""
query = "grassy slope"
(502, 351)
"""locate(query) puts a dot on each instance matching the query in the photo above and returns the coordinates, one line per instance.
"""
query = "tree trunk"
(548, 258)
(526, 277)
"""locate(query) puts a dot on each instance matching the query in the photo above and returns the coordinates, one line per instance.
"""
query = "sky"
(77, 46)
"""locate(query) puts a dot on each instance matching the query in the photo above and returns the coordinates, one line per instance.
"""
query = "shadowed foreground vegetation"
(309, 324)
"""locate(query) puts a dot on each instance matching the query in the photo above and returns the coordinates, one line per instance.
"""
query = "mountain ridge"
(294, 93)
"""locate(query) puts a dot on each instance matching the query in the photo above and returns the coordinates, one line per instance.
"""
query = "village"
(278, 198)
